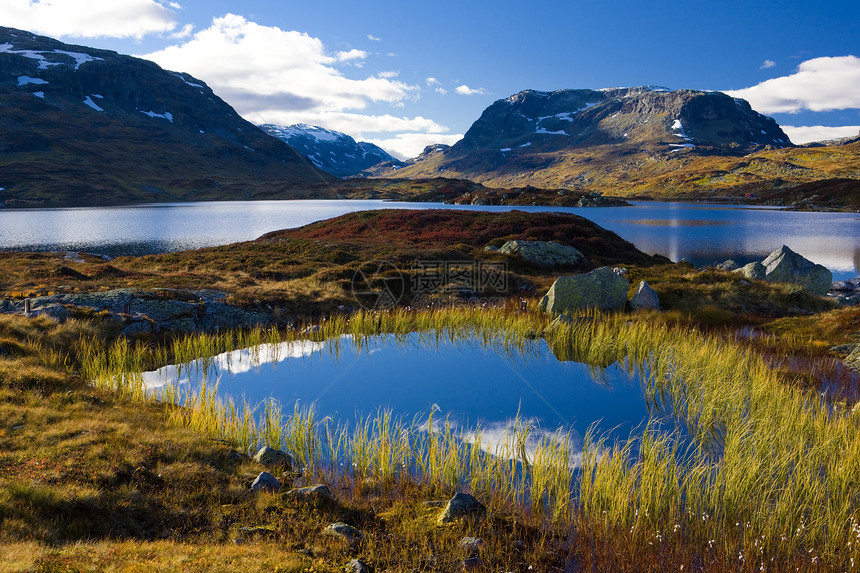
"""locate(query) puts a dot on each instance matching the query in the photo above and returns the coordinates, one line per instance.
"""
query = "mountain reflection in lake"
(472, 384)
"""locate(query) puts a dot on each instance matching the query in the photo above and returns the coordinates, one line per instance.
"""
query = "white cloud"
(258, 69)
(284, 77)
(406, 145)
(820, 84)
(90, 18)
(357, 124)
(373, 38)
(351, 55)
(809, 133)
(466, 90)
(441, 91)
(183, 33)
(767, 64)
(431, 81)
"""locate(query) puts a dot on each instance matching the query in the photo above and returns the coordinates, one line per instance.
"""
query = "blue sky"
(407, 74)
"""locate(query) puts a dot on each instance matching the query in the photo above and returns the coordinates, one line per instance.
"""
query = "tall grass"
(762, 468)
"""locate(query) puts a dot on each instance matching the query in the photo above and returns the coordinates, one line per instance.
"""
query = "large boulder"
(600, 289)
(543, 253)
(645, 298)
(785, 266)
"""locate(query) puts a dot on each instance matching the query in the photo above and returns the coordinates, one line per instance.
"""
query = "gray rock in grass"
(266, 482)
(461, 506)
(645, 298)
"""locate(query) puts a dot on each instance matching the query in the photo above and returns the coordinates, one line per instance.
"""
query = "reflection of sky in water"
(470, 384)
(701, 233)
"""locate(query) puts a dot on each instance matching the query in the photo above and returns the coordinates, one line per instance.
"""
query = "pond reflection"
(465, 384)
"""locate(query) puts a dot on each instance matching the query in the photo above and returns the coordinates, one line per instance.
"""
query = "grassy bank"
(768, 478)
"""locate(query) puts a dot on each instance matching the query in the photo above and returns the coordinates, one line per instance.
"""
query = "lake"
(701, 233)
(467, 381)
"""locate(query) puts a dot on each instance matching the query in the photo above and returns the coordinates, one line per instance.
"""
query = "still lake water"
(701, 233)
(471, 383)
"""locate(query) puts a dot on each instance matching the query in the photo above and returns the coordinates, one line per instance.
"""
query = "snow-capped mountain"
(610, 139)
(332, 151)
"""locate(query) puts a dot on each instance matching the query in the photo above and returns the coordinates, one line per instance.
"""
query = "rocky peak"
(675, 120)
(332, 151)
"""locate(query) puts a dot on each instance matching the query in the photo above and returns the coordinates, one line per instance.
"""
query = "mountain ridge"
(646, 141)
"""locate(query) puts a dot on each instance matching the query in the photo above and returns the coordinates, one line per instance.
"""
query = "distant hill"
(332, 151)
(83, 125)
(644, 141)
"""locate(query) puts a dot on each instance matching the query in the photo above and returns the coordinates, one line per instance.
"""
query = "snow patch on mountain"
(546, 132)
(166, 115)
(24, 80)
(44, 63)
(181, 77)
(89, 101)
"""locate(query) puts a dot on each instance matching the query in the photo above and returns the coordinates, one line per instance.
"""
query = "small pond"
(470, 383)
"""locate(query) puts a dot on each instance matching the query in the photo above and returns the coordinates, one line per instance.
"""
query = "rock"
(600, 289)
(138, 327)
(266, 482)
(315, 494)
(845, 348)
(180, 325)
(356, 566)
(853, 359)
(785, 266)
(272, 458)
(222, 316)
(491, 249)
(472, 563)
(343, 531)
(462, 505)
(471, 546)
(754, 271)
(645, 298)
(55, 311)
(543, 253)
(727, 265)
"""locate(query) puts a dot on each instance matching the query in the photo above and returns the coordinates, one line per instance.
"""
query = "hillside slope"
(83, 125)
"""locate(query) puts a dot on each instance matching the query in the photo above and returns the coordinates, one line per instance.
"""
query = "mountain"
(83, 125)
(332, 151)
(628, 141)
